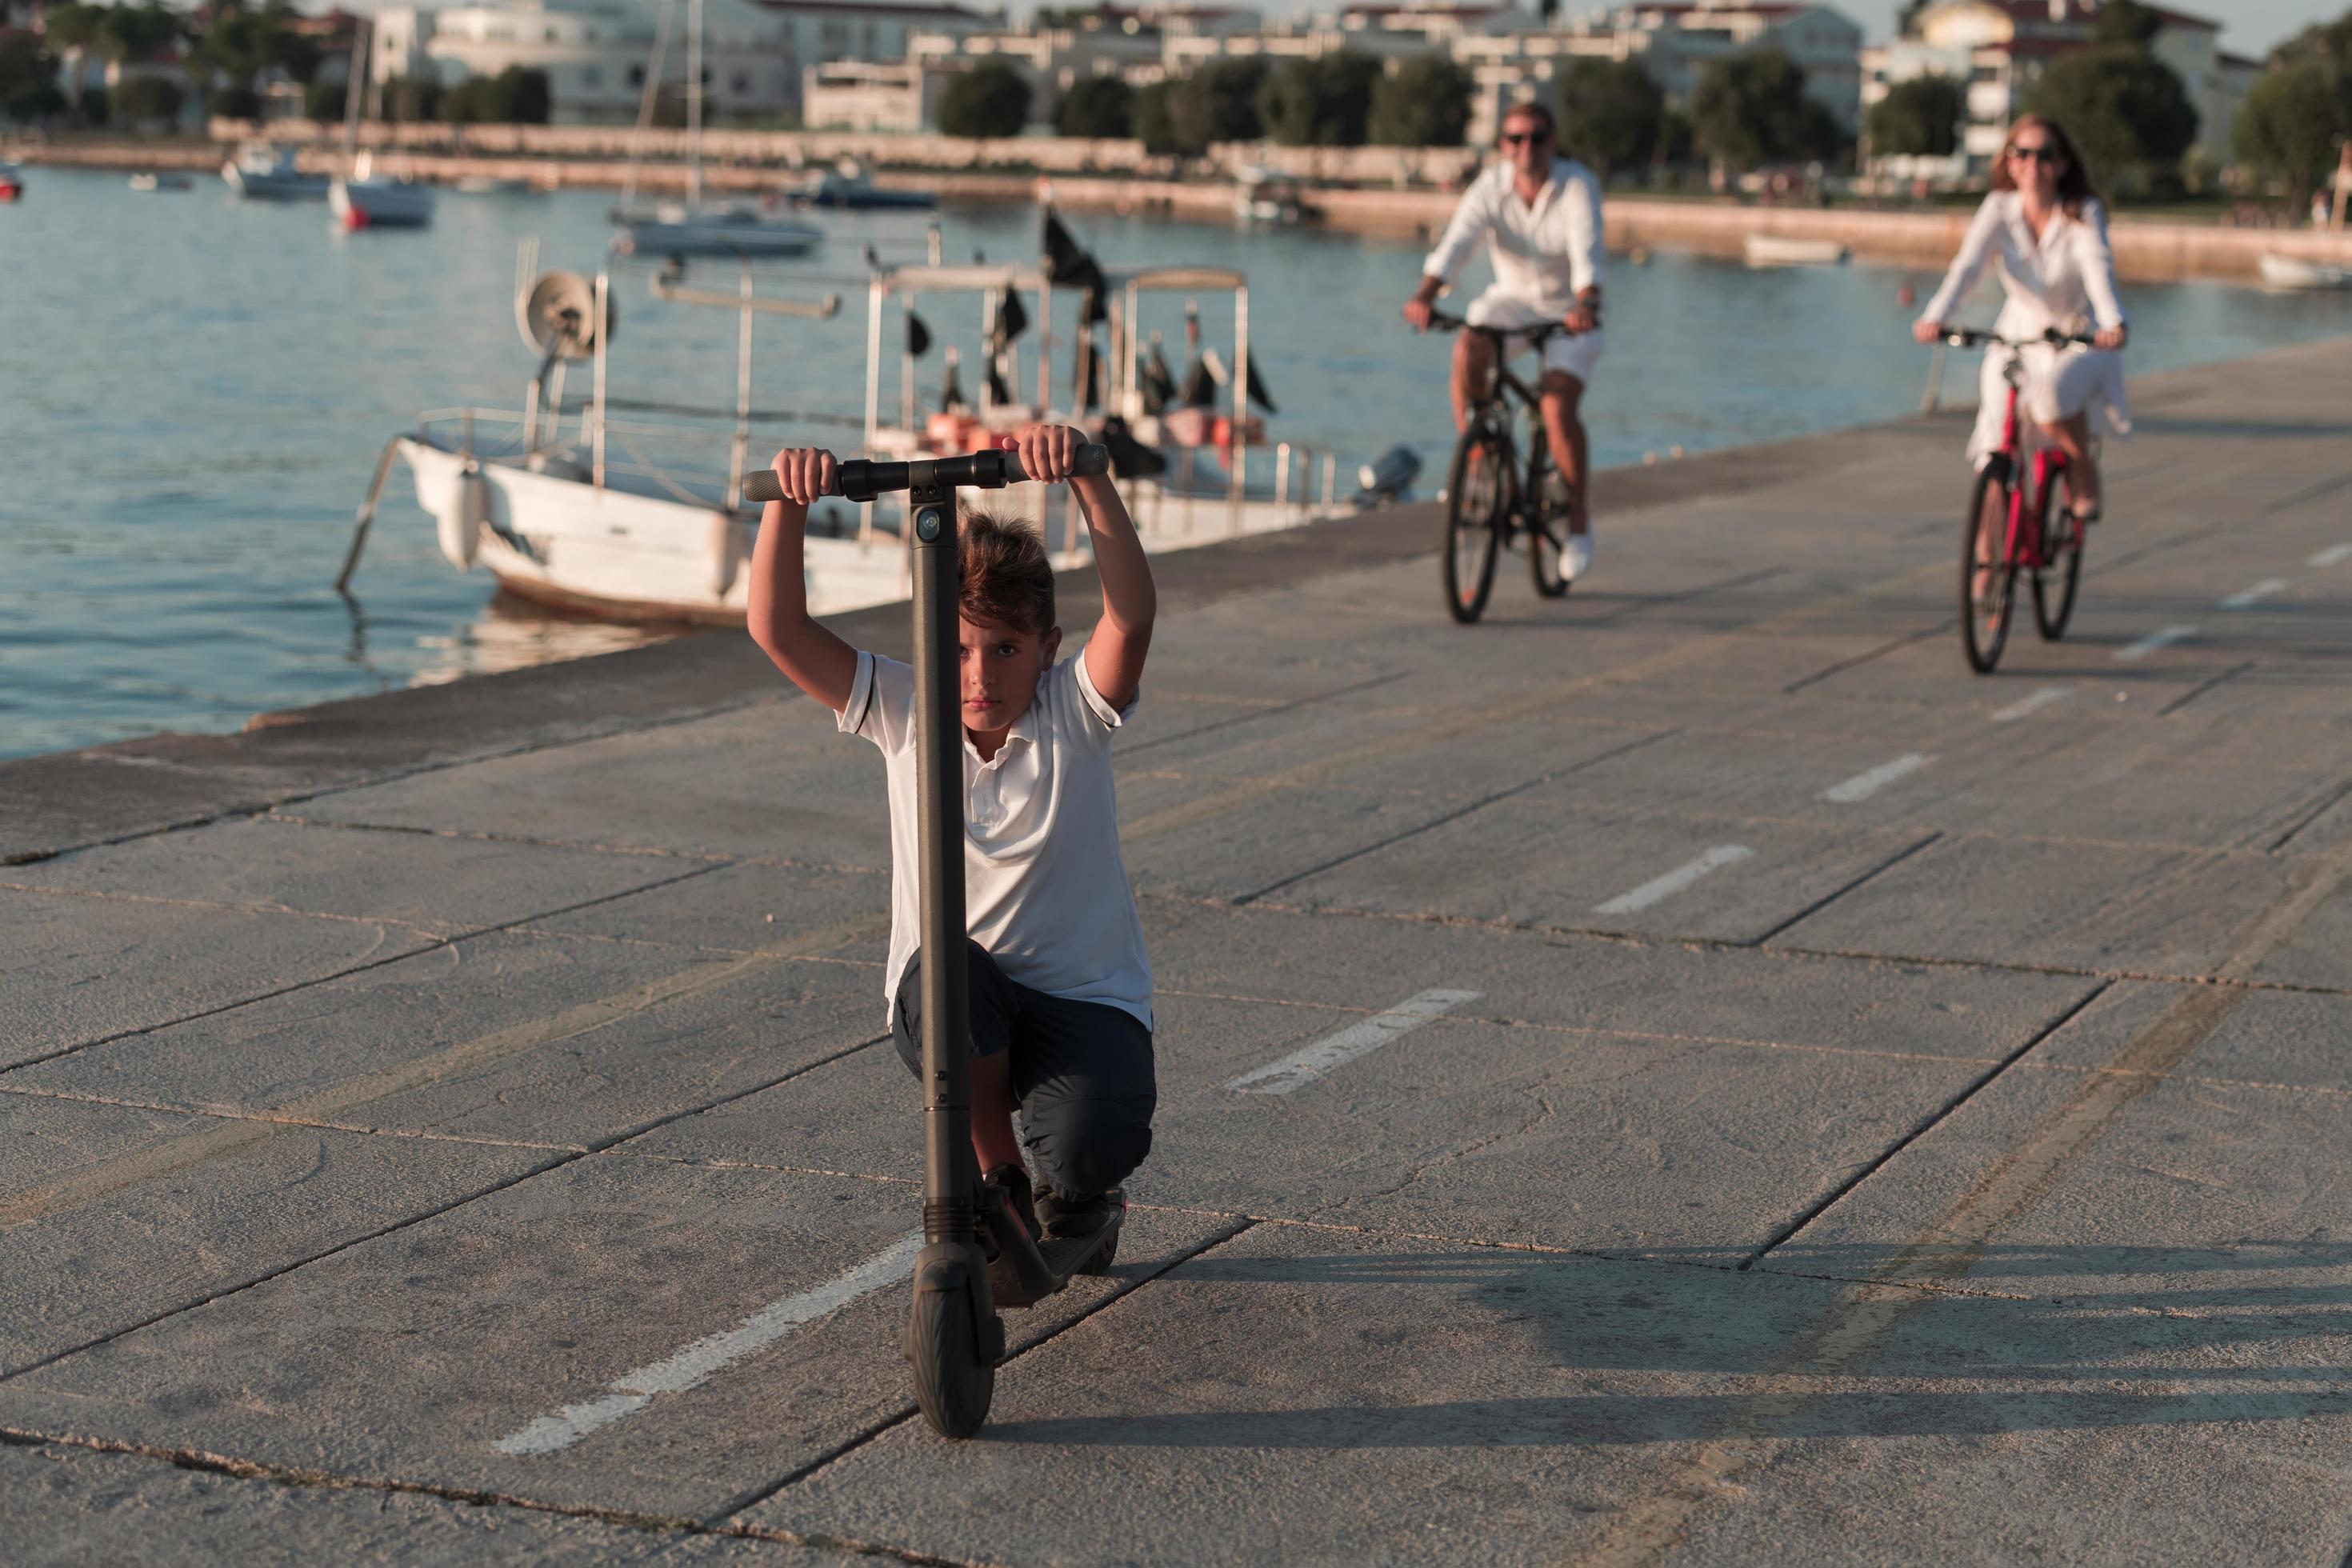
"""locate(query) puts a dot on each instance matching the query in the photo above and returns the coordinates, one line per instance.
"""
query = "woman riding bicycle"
(2048, 233)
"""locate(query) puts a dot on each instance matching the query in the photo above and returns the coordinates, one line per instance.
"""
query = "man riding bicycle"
(1540, 213)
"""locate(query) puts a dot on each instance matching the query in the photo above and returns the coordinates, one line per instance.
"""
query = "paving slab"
(773, 780)
(1547, 863)
(557, 1041)
(64, 1506)
(412, 1357)
(112, 1215)
(2135, 909)
(438, 886)
(743, 908)
(77, 968)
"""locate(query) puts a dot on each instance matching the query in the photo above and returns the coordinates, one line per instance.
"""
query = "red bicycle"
(2010, 527)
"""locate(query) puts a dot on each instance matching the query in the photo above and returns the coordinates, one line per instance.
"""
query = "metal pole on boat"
(1240, 390)
(366, 518)
(742, 454)
(646, 106)
(604, 314)
(876, 287)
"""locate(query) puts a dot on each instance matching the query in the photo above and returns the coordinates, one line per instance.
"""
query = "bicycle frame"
(2023, 547)
(1496, 408)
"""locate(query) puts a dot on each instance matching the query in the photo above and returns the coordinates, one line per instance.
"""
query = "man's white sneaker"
(1576, 556)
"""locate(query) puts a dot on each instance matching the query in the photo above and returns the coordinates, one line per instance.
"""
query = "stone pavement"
(1742, 1086)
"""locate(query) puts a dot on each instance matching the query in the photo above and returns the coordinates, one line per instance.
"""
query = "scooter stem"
(949, 1177)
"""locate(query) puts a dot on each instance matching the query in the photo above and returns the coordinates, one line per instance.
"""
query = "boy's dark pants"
(1082, 1072)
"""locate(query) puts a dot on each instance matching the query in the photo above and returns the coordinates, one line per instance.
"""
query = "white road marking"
(1862, 785)
(632, 1390)
(2246, 599)
(1362, 1039)
(2034, 704)
(2153, 641)
(2332, 555)
(1675, 881)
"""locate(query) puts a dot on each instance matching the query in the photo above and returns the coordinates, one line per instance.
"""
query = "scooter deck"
(1026, 1271)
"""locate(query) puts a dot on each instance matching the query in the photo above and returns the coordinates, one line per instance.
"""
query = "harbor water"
(194, 392)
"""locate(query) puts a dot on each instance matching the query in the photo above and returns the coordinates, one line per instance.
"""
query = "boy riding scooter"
(1059, 986)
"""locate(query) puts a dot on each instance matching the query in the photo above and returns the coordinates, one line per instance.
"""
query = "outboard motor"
(1389, 477)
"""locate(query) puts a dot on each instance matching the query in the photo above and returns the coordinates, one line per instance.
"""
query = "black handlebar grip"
(861, 481)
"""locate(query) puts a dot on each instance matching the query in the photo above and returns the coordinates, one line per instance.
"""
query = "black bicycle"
(1493, 502)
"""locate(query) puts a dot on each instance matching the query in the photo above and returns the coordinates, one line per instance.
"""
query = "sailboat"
(359, 200)
(693, 228)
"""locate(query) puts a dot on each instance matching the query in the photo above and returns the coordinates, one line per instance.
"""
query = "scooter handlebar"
(861, 481)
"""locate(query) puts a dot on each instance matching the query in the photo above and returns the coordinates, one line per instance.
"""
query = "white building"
(596, 53)
(1999, 47)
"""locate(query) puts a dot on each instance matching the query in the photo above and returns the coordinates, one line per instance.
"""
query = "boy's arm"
(1116, 651)
(818, 662)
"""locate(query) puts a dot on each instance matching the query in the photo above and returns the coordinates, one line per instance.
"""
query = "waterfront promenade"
(1751, 1090)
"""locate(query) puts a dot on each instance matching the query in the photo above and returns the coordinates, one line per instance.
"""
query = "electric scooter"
(954, 1338)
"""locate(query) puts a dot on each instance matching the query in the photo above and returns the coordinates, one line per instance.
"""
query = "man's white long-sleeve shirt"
(1544, 252)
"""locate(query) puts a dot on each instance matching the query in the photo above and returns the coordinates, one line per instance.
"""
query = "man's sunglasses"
(2035, 156)
(1525, 138)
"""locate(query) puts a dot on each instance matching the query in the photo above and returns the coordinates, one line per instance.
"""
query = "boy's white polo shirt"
(1044, 889)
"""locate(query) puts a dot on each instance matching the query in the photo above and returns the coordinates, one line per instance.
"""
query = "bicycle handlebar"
(1440, 321)
(860, 480)
(1971, 338)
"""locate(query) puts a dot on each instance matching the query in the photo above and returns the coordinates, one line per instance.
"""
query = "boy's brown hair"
(1006, 578)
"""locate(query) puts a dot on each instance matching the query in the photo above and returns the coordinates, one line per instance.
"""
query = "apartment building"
(1999, 47)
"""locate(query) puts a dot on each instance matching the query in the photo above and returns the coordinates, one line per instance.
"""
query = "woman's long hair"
(2074, 186)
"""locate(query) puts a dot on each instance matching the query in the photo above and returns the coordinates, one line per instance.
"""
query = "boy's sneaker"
(1063, 1214)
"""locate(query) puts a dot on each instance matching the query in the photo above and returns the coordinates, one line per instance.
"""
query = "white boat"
(153, 181)
(492, 185)
(1789, 250)
(264, 173)
(2293, 272)
(570, 508)
(693, 228)
(676, 229)
(1266, 195)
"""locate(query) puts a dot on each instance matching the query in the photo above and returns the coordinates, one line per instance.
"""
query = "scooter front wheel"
(953, 1384)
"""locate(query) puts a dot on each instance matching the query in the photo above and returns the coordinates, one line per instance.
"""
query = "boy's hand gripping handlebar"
(861, 481)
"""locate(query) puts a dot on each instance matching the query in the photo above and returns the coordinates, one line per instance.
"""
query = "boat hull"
(556, 539)
(380, 204)
(1780, 251)
(868, 199)
(2293, 272)
(260, 187)
(691, 238)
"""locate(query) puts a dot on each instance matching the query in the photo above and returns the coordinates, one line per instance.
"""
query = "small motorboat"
(673, 229)
(1790, 250)
(1266, 195)
(492, 185)
(264, 173)
(848, 186)
(363, 201)
(154, 181)
(2292, 272)
(12, 183)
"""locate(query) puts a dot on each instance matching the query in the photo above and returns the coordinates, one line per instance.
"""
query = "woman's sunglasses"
(2049, 155)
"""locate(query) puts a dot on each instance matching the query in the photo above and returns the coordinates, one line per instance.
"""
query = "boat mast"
(694, 103)
(646, 103)
(354, 89)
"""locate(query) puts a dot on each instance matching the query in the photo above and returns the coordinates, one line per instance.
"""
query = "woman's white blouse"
(2069, 271)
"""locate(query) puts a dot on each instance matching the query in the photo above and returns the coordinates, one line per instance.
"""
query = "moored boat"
(1792, 250)
(363, 201)
(676, 229)
(2293, 272)
(264, 173)
(12, 183)
(493, 185)
(850, 187)
(161, 181)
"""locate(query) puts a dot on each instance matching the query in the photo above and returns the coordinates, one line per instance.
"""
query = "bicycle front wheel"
(1474, 512)
(1988, 577)
(2061, 548)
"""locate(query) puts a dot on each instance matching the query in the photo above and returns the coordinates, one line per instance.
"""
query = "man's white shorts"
(1574, 356)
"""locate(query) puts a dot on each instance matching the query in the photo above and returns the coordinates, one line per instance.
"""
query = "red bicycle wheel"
(2061, 551)
(1988, 574)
